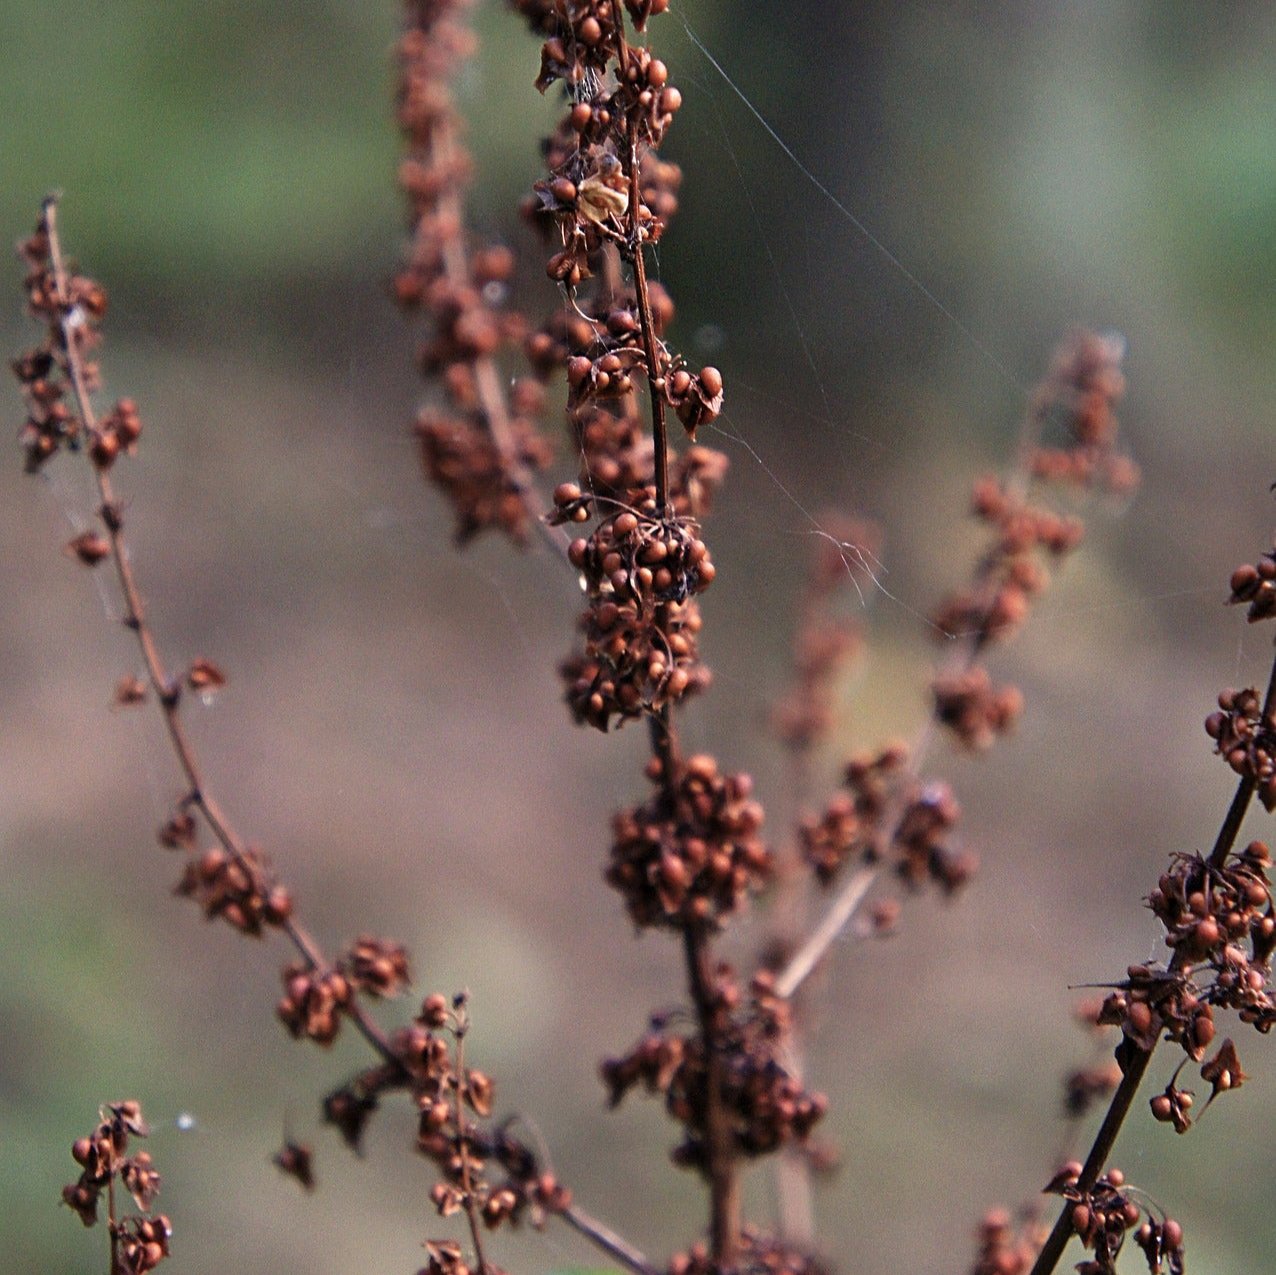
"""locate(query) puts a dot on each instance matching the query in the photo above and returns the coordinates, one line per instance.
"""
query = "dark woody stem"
(724, 1186)
(724, 1222)
(1136, 1061)
(631, 166)
(655, 379)
(470, 1204)
(112, 1225)
(604, 1238)
(724, 1189)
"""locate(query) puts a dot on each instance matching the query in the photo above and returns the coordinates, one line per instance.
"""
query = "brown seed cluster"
(428, 1065)
(239, 889)
(446, 1258)
(1103, 1216)
(1245, 737)
(976, 711)
(138, 1243)
(1004, 1249)
(692, 854)
(1219, 922)
(296, 1160)
(889, 815)
(1085, 1087)
(481, 447)
(1254, 585)
(315, 999)
(606, 192)
(444, 1089)
(376, 966)
(597, 342)
(1013, 571)
(204, 677)
(640, 570)
(766, 1105)
(313, 1002)
(1077, 398)
(71, 314)
(759, 1254)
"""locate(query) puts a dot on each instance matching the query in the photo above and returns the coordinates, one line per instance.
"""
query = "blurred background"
(393, 732)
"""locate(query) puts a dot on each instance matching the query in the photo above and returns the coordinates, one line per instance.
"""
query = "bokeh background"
(393, 732)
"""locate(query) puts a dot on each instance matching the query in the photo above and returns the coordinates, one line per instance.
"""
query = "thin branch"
(469, 1203)
(632, 167)
(492, 402)
(964, 650)
(604, 1238)
(166, 690)
(724, 1188)
(112, 1224)
(1137, 1059)
(809, 955)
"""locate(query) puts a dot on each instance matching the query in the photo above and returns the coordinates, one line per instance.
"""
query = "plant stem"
(1137, 1059)
(487, 381)
(462, 1150)
(165, 689)
(604, 1238)
(112, 1225)
(724, 1227)
(724, 1207)
(631, 166)
(167, 695)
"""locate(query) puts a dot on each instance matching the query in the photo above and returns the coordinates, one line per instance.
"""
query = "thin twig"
(604, 1238)
(724, 1188)
(487, 381)
(844, 906)
(1136, 1061)
(112, 1224)
(468, 1202)
(167, 691)
(632, 167)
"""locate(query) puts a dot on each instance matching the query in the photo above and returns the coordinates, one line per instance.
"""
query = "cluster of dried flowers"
(641, 570)
(45, 372)
(1255, 585)
(768, 1107)
(887, 814)
(1078, 398)
(692, 855)
(1219, 925)
(1103, 1215)
(1245, 737)
(482, 446)
(139, 1242)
